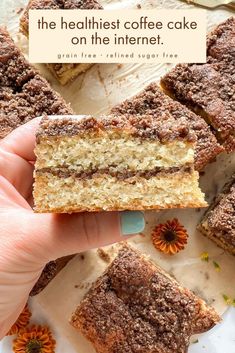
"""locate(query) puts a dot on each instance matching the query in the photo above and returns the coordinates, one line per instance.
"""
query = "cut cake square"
(136, 307)
(115, 163)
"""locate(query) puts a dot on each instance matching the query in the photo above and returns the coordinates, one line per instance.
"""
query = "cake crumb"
(19, 10)
(103, 255)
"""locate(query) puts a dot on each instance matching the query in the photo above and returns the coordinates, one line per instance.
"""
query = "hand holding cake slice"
(115, 163)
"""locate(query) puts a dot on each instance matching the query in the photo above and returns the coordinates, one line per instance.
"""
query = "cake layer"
(120, 174)
(218, 223)
(63, 72)
(109, 149)
(152, 101)
(105, 192)
(24, 94)
(136, 306)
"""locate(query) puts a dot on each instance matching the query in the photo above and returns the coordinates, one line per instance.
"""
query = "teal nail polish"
(132, 222)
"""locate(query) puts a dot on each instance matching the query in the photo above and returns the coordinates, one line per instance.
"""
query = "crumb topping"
(142, 126)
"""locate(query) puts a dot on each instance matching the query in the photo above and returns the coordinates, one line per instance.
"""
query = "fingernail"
(132, 222)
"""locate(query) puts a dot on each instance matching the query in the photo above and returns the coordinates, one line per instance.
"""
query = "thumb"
(57, 235)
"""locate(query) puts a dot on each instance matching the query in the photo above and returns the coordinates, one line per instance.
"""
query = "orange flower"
(34, 339)
(170, 237)
(21, 322)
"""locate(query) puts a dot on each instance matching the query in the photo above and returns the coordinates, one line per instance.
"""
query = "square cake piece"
(136, 307)
(208, 93)
(154, 102)
(63, 72)
(218, 223)
(24, 94)
(221, 47)
(209, 89)
(115, 163)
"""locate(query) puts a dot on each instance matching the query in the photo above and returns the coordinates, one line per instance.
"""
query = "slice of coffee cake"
(209, 89)
(24, 93)
(152, 101)
(136, 306)
(115, 163)
(221, 47)
(208, 93)
(63, 72)
(218, 223)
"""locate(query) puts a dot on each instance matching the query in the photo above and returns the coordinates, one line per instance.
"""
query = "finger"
(21, 141)
(16, 150)
(17, 171)
(10, 197)
(53, 236)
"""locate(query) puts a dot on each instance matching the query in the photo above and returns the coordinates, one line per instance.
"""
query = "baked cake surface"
(218, 223)
(209, 89)
(115, 163)
(136, 307)
(63, 72)
(24, 94)
(154, 102)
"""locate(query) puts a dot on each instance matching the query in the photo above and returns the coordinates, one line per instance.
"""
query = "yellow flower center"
(34, 346)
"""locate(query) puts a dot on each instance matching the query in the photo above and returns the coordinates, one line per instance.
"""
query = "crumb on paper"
(196, 341)
(138, 6)
(19, 10)
(83, 285)
(217, 266)
(103, 255)
(207, 277)
(119, 66)
(205, 256)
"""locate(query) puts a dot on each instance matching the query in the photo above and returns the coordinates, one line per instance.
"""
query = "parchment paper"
(96, 92)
